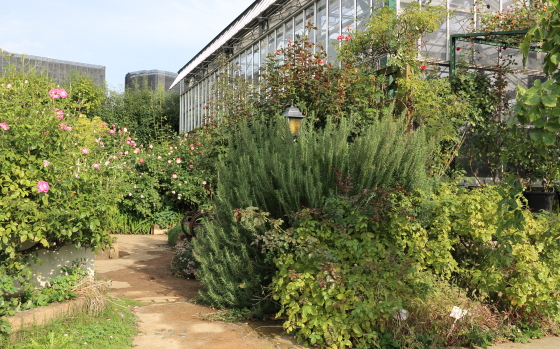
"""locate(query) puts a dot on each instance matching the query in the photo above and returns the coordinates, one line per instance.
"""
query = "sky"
(122, 35)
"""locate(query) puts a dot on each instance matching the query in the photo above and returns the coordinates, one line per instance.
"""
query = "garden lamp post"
(295, 117)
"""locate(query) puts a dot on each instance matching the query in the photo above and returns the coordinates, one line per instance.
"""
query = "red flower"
(423, 67)
(458, 49)
(347, 38)
(340, 37)
(504, 48)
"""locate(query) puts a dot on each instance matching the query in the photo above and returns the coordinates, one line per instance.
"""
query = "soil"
(172, 319)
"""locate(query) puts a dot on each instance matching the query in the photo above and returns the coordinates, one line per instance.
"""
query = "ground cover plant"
(113, 327)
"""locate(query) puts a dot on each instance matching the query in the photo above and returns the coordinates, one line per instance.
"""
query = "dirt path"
(169, 320)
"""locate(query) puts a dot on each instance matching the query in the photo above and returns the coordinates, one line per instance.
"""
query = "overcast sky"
(122, 35)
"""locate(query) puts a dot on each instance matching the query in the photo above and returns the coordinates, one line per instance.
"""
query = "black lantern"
(295, 117)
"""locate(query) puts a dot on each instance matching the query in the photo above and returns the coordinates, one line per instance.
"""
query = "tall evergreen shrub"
(266, 168)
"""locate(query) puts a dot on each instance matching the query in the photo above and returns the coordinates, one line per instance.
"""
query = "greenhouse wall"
(260, 31)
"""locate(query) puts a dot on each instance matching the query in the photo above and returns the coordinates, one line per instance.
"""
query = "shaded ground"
(169, 320)
(172, 321)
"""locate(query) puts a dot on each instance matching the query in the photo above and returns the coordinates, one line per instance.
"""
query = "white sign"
(458, 313)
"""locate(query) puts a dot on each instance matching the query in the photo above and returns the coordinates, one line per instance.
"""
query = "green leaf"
(533, 98)
(548, 100)
(549, 138)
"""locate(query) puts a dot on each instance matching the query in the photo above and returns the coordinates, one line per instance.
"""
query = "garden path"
(170, 320)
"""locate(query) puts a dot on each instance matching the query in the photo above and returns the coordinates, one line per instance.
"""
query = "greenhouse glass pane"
(249, 64)
(310, 18)
(334, 28)
(436, 43)
(348, 16)
(321, 19)
(289, 31)
(363, 9)
(271, 44)
(280, 37)
(298, 26)
(243, 64)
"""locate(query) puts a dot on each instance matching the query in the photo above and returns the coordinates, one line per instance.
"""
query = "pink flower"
(107, 162)
(173, 192)
(9, 85)
(96, 166)
(423, 67)
(4, 126)
(348, 38)
(85, 151)
(136, 151)
(60, 113)
(54, 93)
(62, 92)
(141, 160)
(198, 143)
(112, 132)
(203, 182)
(63, 125)
(43, 187)
(178, 160)
(174, 176)
(46, 163)
(191, 166)
(340, 37)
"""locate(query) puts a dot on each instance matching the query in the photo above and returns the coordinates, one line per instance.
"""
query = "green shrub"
(55, 187)
(265, 168)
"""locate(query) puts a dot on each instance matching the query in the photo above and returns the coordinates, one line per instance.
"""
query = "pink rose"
(136, 151)
(191, 166)
(203, 182)
(9, 85)
(60, 113)
(85, 151)
(141, 160)
(4, 126)
(178, 160)
(43, 187)
(54, 93)
(62, 93)
(174, 176)
(112, 132)
(107, 162)
(46, 163)
(96, 166)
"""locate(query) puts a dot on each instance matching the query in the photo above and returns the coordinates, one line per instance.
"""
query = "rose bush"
(53, 189)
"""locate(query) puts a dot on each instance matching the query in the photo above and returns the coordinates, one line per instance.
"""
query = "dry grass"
(95, 293)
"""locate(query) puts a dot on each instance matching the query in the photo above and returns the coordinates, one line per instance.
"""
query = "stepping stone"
(158, 334)
(169, 330)
(182, 335)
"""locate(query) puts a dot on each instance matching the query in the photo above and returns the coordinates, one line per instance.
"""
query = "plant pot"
(538, 201)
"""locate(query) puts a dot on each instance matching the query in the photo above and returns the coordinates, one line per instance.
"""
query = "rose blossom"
(107, 162)
(203, 182)
(4, 126)
(9, 85)
(46, 163)
(178, 160)
(136, 150)
(85, 151)
(96, 166)
(60, 113)
(54, 93)
(174, 176)
(191, 166)
(43, 187)
(141, 160)
(62, 92)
